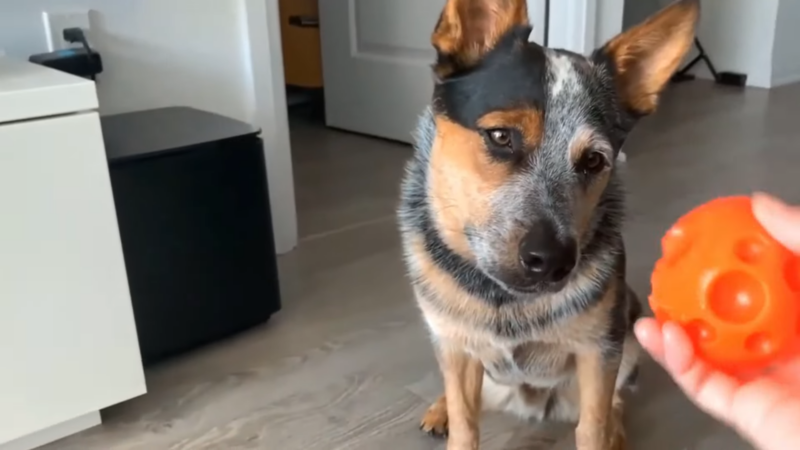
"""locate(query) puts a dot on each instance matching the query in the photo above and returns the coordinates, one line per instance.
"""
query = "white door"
(376, 58)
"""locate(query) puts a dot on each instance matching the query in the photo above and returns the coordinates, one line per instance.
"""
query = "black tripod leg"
(692, 63)
(683, 74)
(705, 58)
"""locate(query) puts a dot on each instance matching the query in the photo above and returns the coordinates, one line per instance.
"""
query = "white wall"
(786, 52)
(738, 35)
(537, 11)
(755, 37)
(610, 15)
(156, 53)
(636, 11)
(182, 52)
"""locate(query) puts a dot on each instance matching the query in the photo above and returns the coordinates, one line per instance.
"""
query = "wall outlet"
(56, 21)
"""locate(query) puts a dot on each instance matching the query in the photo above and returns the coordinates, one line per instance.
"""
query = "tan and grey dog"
(511, 217)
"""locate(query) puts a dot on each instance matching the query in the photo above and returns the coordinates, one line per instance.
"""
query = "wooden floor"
(347, 364)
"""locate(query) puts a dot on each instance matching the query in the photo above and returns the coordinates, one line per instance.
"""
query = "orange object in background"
(730, 285)
(302, 53)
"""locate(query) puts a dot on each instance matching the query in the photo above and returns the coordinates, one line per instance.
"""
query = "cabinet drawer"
(67, 337)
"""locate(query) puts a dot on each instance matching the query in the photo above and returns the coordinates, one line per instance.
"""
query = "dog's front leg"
(463, 382)
(600, 423)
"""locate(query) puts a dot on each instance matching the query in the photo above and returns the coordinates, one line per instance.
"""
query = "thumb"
(779, 219)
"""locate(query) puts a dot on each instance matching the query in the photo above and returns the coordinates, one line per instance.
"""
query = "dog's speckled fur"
(504, 340)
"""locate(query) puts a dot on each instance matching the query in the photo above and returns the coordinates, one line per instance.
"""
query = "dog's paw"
(615, 441)
(618, 440)
(435, 422)
(597, 438)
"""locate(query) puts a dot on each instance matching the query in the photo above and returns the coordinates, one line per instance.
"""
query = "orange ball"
(734, 288)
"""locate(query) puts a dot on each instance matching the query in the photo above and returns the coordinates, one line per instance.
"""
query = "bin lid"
(156, 132)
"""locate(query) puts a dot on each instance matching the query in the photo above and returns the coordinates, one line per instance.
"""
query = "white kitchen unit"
(68, 342)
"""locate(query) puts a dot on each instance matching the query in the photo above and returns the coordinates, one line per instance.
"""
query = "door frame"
(578, 32)
(264, 57)
(589, 23)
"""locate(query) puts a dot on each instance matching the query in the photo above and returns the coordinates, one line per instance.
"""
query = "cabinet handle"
(304, 21)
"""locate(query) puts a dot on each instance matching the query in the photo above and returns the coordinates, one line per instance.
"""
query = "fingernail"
(764, 203)
(640, 330)
(779, 219)
(666, 331)
(670, 331)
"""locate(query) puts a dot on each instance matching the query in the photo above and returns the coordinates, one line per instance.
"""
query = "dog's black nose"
(546, 256)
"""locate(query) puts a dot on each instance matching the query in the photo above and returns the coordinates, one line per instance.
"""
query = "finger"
(779, 219)
(712, 390)
(648, 332)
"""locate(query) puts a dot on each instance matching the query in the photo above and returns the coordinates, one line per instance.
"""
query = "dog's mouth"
(519, 286)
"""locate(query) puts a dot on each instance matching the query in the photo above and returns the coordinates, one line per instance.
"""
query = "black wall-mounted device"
(83, 61)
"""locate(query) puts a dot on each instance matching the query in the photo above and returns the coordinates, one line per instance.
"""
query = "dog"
(511, 217)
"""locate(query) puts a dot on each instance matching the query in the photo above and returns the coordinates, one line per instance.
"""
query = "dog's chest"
(537, 364)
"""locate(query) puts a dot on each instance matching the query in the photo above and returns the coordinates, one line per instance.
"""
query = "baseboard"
(702, 73)
(786, 79)
(54, 433)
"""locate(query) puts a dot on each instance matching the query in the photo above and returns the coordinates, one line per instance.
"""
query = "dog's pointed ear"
(645, 57)
(468, 29)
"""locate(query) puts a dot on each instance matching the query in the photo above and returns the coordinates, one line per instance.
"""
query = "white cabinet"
(68, 342)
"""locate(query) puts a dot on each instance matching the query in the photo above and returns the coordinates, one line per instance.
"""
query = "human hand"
(764, 409)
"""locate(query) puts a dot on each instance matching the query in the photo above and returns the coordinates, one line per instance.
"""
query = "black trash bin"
(191, 195)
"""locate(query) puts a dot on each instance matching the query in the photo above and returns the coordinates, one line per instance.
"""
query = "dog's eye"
(500, 137)
(503, 143)
(592, 162)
